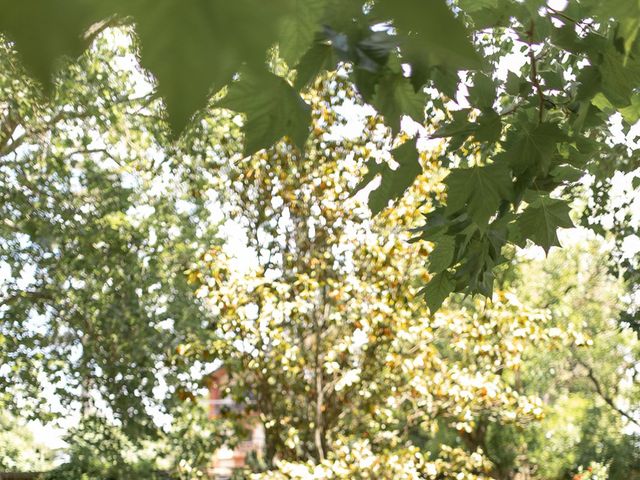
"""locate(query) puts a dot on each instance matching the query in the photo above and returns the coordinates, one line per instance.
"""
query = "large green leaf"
(532, 147)
(393, 183)
(194, 47)
(319, 57)
(273, 109)
(300, 27)
(541, 220)
(431, 31)
(627, 13)
(441, 256)
(480, 190)
(46, 30)
(395, 97)
(619, 77)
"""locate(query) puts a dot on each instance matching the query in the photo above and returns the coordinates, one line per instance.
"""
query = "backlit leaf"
(541, 220)
(273, 109)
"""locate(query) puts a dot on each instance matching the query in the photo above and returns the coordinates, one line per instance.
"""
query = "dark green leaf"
(483, 92)
(619, 77)
(393, 183)
(45, 30)
(512, 85)
(299, 29)
(480, 189)
(319, 57)
(431, 31)
(437, 290)
(442, 255)
(273, 109)
(489, 127)
(532, 148)
(395, 97)
(567, 173)
(194, 48)
(541, 220)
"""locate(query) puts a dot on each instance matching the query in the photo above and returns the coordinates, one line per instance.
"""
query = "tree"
(456, 395)
(518, 148)
(323, 339)
(591, 393)
(19, 450)
(93, 247)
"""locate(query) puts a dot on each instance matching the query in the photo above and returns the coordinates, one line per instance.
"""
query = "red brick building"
(226, 460)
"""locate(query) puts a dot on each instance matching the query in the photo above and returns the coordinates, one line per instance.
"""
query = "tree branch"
(600, 390)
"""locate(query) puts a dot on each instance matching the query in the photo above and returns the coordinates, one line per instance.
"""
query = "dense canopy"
(353, 206)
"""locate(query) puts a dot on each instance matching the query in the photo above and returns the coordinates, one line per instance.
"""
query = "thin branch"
(600, 390)
(535, 80)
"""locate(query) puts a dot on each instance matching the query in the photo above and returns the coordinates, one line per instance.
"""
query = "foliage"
(527, 133)
(357, 460)
(19, 450)
(591, 393)
(92, 246)
(100, 450)
(319, 326)
(326, 346)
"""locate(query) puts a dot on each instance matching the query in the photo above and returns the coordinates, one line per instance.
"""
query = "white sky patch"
(558, 4)
(355, 116)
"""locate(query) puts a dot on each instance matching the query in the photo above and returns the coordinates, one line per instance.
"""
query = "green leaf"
(46, 30)
(437, 290)
(480, 189)
(432, 32)
(619, 78)
(393, 183)
(483, 92)
(395, 97)
(459, 125)
(442, 255)
(627, 13)
(532, 148)
(194, 48)
(567, 173)
(513, 83)
(489, 127)
(273, 109)
(541, 220)
(444, 80)
(590, 81)
(300, 27)
(631, 114)
(319, 57)
(471, 6)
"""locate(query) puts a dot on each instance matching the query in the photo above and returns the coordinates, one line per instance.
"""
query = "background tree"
(97, 230)
(323, 339)
(19, 450)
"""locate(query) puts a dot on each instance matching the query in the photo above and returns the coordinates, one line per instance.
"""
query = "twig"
(600, 390)
(534, 73)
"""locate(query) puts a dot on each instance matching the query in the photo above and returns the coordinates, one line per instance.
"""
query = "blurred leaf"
(395, 97)
(431, 31)
(299, 29)
(273, 109)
